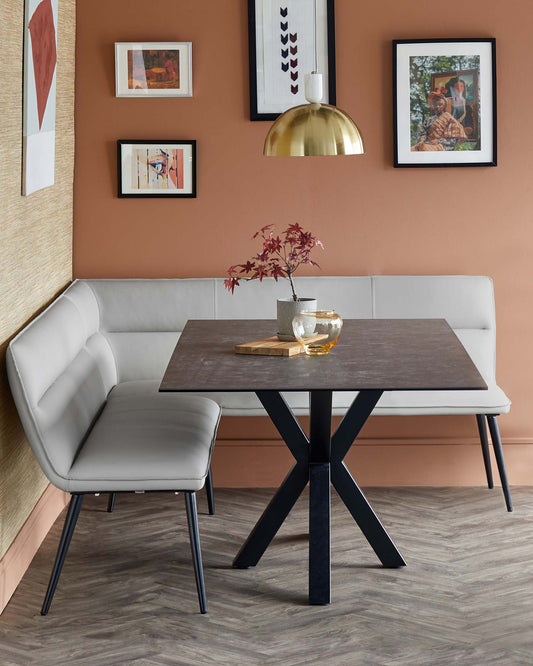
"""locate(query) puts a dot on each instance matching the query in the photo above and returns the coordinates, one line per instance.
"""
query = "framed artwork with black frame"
(156, 168)
(444, 102)
(287, 40)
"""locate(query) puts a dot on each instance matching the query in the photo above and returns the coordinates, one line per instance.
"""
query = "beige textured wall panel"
(35, 243)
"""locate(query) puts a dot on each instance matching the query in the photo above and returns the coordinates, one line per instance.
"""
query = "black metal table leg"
(319, 534)
(352, 423)
(319, 461)
(364, 516)
(273, 517)
(348, 490)
(320, 498)
(291, 488)
(286, 423)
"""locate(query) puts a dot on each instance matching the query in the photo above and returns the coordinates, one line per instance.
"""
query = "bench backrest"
(60, 370)
(465, 301)
(142, 319)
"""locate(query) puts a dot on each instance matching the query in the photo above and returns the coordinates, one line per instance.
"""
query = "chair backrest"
(60, 370)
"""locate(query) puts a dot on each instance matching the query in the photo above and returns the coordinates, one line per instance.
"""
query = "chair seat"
(145, 440)
(399, 403)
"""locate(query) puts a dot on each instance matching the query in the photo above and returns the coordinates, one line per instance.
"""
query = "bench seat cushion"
(404, 403)
(392, 403)
(399, 403)
(144, 440)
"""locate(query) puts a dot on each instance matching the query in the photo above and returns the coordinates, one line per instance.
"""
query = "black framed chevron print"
(287, 40)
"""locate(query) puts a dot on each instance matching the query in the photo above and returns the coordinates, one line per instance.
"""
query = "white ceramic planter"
(287, 310)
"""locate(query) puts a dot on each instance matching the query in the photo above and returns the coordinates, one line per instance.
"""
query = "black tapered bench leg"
(482, 427)
(192, 519)
(209, 492)
(111, 502)
(68, 530)
(498, 452)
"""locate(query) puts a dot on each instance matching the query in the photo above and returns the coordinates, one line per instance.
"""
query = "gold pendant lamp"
(313, 128)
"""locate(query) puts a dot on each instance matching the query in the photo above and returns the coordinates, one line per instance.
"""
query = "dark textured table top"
(387, 354)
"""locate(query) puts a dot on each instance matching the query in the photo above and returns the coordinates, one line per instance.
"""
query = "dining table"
(372, 356)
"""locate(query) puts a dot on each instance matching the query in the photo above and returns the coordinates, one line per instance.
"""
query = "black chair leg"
(498, 452)
(482, 427)
(68, 530)
(209, 491)
(192, 519)
(111, 502)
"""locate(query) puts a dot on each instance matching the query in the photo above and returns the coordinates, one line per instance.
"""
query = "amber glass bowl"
(317, 330)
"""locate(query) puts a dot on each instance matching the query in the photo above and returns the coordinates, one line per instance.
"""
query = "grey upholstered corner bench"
(85, 376)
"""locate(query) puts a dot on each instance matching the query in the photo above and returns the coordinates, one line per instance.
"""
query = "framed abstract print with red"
(39, 104)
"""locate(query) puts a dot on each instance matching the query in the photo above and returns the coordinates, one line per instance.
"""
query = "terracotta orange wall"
(373, 219)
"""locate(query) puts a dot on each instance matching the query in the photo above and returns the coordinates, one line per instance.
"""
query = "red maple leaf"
(276, 271)
(260, 273)
(262, 256)
(262, 231)
(231, 283)
(293, 229)
(274, 244)
(306, 239)
(247, 267)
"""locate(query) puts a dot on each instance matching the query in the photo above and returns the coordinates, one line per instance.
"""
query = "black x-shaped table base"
(319, 461)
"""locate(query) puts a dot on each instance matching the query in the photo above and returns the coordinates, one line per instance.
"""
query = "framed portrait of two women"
(444, 102)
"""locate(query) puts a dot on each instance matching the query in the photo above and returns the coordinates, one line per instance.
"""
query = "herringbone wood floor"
(127, 594)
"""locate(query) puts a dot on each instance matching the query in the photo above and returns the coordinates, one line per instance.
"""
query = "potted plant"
(280, 257)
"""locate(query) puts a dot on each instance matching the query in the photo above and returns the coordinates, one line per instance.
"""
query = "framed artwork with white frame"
(153, 69)
(165, 169)
(444, 102)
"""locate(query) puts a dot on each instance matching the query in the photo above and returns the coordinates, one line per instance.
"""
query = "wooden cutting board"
(273, 347)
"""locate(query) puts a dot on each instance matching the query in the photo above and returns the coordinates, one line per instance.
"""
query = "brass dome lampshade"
(313, 128)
